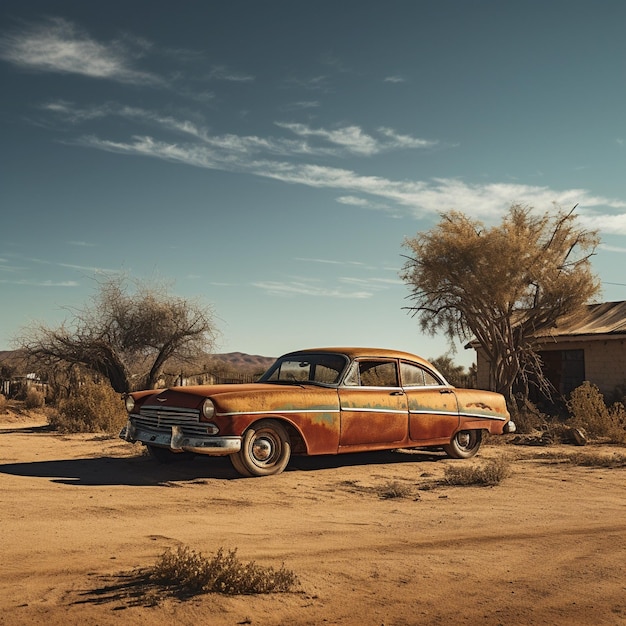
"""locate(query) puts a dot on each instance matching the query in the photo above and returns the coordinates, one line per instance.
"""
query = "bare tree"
(124, 334)
(499, 284)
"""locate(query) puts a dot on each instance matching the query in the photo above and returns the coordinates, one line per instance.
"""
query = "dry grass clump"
(94, 407)
(394, 489)
(588, 458)
(590, 413)
(188, 573)
(528, 418)
(598, 459)
(489, 474)
(34, 399)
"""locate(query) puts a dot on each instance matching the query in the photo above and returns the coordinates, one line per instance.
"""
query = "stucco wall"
(605, 362)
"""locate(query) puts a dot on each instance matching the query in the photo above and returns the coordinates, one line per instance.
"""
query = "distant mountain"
(245, 362)
(240, 361)
(11, 357)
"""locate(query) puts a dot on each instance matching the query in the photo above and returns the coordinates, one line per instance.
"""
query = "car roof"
(354, 352)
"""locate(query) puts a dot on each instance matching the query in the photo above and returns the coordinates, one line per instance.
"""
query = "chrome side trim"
(358, 409)
(455, 414)
(433, 412)
(277, 412)
(485, 417)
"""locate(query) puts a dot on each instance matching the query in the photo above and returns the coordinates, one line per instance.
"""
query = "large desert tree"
(499, 284)
(126, 332)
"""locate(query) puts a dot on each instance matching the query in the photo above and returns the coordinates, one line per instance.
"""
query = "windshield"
(323, 369)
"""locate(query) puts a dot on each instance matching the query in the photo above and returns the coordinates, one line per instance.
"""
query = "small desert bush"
(528, 418)
(93, 407)
(490, 473)
(34, 399)
(589, 412)
(187, 573)
(588, 458)
(394, 489)
(598, 459)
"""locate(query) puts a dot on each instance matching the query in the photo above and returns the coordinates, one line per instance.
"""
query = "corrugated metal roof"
(607, 318)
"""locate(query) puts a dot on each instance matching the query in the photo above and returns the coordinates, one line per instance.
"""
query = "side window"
(378, 373)
(416, 376)
(429, 379)
(412, 376)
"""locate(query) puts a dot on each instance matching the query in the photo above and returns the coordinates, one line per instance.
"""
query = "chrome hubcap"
(464, 439)
(262, 449)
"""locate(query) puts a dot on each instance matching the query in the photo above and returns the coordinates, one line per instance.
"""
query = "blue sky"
(269, 158)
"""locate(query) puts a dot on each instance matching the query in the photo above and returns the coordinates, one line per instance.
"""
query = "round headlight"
(129, 401)
(208, 410)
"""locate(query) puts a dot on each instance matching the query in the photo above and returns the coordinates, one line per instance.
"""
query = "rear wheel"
(464, 444)
(165, 455)
(265, 450)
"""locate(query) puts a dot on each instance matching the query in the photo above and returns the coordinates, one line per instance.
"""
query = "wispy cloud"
(330, 261)
(223, 73)
(610, 224)
(368, 203)
(320, 83)
(609, 248)
(291, 160)
(338, 142)
(57, 45)
(415, 198)
(81, 244)
(355, 141)
(296, 288)
(395, 78)
(41, 283)
(82, 268)
(371, 282)
(300, 105)
(10, 268)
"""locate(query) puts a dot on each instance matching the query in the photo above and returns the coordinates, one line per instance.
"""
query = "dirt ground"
(81, 513)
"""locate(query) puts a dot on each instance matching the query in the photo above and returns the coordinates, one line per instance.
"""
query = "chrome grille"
(162, 418)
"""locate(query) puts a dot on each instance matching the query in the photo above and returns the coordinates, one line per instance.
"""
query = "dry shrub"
(589, 458)
(34, 399)
(3, 403)
(394, 489)
(187, 573)
(598, 459)
(488, 474)
(94, 407)
(590, 413)
(527, 417)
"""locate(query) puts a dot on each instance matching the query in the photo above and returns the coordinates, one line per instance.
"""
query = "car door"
(433, 406)
(374, 411)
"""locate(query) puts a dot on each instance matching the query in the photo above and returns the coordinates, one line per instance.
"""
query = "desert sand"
(81, 513)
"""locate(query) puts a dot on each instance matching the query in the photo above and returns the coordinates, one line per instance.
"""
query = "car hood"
(242, 397)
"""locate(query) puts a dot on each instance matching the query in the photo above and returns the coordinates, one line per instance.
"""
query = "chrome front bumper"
(178, 440)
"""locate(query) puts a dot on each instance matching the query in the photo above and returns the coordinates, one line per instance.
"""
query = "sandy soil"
(81, 513)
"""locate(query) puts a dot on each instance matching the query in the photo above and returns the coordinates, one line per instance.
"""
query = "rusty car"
(320, 401)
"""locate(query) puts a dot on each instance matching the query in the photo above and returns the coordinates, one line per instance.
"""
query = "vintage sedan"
(319, 401)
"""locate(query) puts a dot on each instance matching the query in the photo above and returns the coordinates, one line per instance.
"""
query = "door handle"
(397, 393)
(445, 391)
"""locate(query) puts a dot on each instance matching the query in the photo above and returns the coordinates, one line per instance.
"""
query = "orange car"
(319, 401)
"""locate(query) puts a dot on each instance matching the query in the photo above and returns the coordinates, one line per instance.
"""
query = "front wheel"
(464, 444)
(265, 450)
